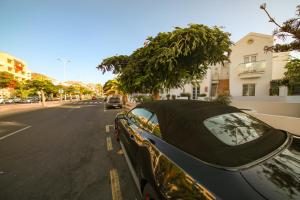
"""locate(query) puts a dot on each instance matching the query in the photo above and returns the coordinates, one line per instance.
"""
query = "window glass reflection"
(236, 128)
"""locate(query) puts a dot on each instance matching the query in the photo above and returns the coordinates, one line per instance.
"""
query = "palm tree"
(113, 87)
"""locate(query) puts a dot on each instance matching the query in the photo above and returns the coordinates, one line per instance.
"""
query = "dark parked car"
(113, 102)
(185, 149)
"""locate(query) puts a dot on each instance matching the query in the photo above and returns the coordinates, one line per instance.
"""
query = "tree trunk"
(124, 99)
(43, 98)
(155, 95)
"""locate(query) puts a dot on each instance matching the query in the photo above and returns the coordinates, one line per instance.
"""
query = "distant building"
(15, 66)
(44, 77)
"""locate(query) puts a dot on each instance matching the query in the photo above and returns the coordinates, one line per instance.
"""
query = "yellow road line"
(107, 128)
(115, 185)
(109, 144)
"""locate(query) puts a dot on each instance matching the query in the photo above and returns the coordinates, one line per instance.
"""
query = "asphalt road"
(64, 152)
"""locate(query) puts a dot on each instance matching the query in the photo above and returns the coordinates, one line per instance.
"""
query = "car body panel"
(175, 174)
(128, 136)
(278, 177)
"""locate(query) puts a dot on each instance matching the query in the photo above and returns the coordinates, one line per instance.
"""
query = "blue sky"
(86, 31)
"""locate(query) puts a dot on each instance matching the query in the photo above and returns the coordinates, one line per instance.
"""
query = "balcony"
(252, 69)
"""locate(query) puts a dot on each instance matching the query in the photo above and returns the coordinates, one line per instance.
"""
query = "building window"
(248, 89)
(253, 58)
(250, 58)
(9, 61)
(196, 92)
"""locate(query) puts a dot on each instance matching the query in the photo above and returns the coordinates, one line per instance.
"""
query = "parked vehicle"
(113, 102)
(1, 101)
(17, 100)
(9, 101)
(184, 149)
(94, 98)
(31, 100)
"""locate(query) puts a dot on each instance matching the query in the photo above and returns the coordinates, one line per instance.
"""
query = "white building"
(252, 68)
(215, 81)
(249, 73)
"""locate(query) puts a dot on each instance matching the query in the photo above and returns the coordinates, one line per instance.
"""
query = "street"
(64, 152)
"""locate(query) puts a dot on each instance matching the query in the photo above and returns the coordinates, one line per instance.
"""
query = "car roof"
(181, 124)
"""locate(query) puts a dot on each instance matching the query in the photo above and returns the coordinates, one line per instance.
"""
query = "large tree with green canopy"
(170, 59)
(41, 86)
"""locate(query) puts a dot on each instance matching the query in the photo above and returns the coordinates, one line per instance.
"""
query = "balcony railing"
(252, 69)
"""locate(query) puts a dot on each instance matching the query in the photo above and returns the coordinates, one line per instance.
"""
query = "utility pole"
(65, 62)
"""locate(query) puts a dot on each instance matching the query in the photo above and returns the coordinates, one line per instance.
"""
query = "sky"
(87, 31)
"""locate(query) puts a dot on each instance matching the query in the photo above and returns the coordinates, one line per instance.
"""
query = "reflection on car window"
(153, 126)
(139, 116)
(236, 128)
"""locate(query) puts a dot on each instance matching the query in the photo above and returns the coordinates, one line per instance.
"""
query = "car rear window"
(236, 128)
(114, 100)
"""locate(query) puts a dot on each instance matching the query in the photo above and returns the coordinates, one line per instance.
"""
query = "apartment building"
(15, 66)
(252, 69)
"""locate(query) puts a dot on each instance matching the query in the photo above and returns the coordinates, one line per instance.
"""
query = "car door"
(133, 127)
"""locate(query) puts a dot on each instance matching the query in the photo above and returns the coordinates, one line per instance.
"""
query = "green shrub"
(188, 95)
(142, 98)
(202, 95)
(223, 98)
(147, 98)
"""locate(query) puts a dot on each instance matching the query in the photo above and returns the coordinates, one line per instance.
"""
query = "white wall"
(272, 106)
(278, 63)
(188, 88)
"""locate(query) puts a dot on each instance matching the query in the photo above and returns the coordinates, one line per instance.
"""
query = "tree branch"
(263, 7)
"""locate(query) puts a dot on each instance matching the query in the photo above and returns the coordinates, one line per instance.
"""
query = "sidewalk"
(17, 108)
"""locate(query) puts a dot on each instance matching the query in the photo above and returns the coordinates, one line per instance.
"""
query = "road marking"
(109, 144)
(14, 132)
(115, 185)
(107, 129)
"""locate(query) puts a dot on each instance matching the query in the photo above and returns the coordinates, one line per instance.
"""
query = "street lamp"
(65, 62)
